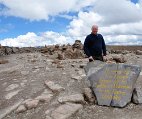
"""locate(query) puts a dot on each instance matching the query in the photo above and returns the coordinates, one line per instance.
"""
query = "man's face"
(94, 30)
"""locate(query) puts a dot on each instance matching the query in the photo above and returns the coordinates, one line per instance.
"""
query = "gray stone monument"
(113, 84)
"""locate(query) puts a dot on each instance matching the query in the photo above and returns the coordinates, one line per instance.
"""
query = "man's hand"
(91, 59)
(105, 58)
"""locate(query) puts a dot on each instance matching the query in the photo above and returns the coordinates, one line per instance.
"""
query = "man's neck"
(94, 33)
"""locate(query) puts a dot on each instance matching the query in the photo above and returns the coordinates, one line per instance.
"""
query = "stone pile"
(139, 52)
(68, 51)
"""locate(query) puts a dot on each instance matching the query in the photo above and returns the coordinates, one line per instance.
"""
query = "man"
(94, 45)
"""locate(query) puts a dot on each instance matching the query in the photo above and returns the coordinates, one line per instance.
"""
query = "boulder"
(113, 84)
(139, 52)
(31, 103)
(89, 96)
(54, 87)
(61, 56)
(8, 50)
(15, 49)
(137, 94)
(77, 44)
(21, 109)
(45, 98)
(3, 61)
(119, 58)
(2, 51)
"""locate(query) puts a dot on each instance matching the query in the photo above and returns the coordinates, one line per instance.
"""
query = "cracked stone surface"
(65, 111)
(113, 84)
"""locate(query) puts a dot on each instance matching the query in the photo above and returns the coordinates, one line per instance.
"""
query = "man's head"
(94, 29)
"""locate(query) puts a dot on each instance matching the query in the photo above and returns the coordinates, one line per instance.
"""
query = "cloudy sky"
(40, 22)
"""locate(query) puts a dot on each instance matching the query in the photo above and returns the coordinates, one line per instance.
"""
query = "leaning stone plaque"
(113, 84)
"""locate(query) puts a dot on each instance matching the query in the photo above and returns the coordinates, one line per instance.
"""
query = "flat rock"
(77, 98)
(76, 77)
(11, 87)
(11, 94)
(54, 87)
(29, 104)
(21, 109)
(44, 98)
(65, 111)
(113, 84)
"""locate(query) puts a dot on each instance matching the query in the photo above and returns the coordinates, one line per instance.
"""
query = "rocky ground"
(35, 86)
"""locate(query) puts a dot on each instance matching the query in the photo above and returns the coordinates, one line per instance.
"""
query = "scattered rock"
(8, 50)
(81, 74)
(77, 70)
(73, 65)
(61, 56)
(82, 65)
(60, 66)
(44, 98)
(119, 58)
(65, 111)
(29, 104)
(77, 44)
(15, 49)
(76, 98)
(89, 96)
(109, 58)
(76, 77)
(56, 61)
(11, 94)
(21, 109)
(139, 52)
(137, 93)
(3, 61)
(12, 87)
(54, 87)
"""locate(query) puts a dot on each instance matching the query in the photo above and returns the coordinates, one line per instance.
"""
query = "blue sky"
(18, 26)
(69, 21)
(134, 1)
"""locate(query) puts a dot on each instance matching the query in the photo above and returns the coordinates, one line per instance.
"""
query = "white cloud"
(41, 10)
(123, 39)
(118, 11)
(31, 39)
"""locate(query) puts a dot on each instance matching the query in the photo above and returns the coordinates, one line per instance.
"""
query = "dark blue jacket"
(94, 45)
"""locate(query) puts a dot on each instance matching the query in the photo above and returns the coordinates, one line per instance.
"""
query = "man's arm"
(103, 47)
(86, 46)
